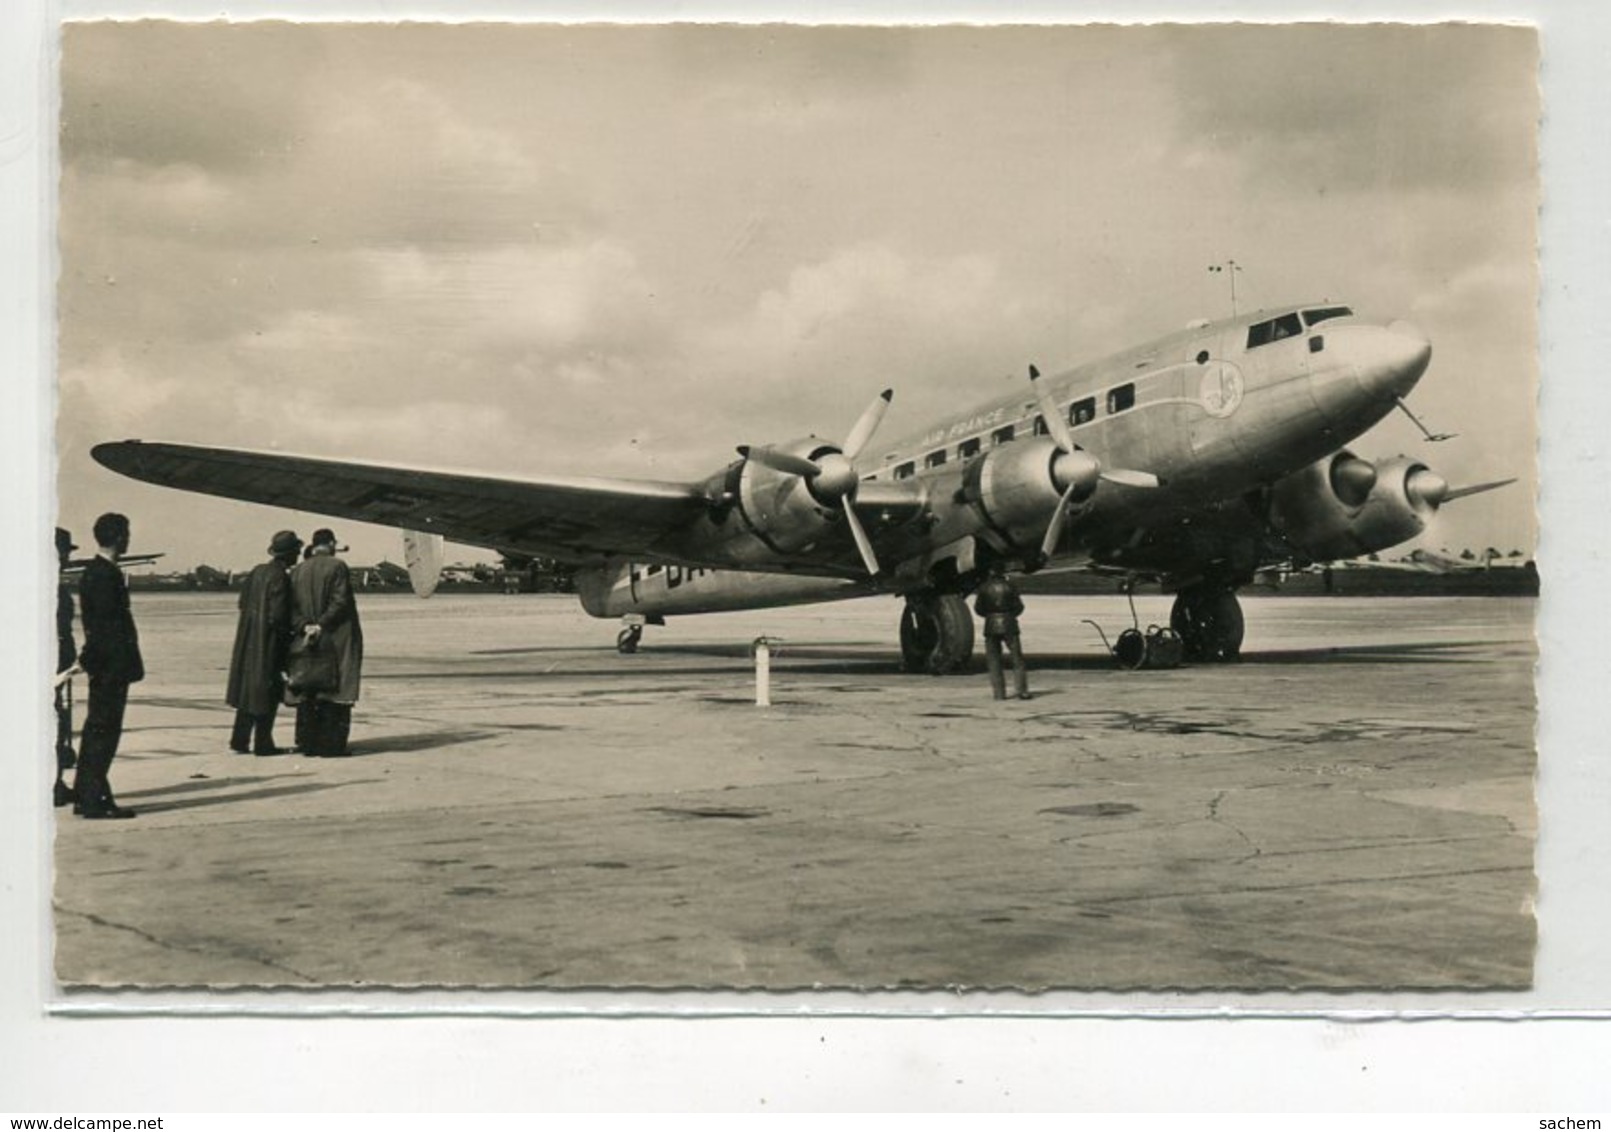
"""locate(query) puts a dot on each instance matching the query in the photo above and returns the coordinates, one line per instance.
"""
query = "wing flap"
(573, 519)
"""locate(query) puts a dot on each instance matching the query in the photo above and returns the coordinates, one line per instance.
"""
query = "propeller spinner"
(832, 476)
(1074, 466)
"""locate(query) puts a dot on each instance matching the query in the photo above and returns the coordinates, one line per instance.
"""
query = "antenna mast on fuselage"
(1229, 268)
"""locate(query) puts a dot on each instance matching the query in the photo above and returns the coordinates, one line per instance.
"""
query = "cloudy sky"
(622, 251)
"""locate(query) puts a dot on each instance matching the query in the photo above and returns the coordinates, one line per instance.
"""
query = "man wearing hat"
(66, 666)
(323, 611)
(261, 638)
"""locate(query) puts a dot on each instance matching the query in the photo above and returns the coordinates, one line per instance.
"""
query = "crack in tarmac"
(1221, 893)
(1214, 817)
(167, 945)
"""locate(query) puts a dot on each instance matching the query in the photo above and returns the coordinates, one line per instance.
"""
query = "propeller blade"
(863, 543)
(867, 424)
(780, 461)
(1055, 424)
(1054, 530)
(1130, 478)
(1475, 489)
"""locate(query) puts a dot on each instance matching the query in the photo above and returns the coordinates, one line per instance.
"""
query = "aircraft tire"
(936, 634)
(626, 641)
(1208, 620)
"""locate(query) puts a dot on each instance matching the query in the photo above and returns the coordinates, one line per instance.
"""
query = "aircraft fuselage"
(1214, 412)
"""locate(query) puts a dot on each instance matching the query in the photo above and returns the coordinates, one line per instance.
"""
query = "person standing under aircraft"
(111, 657)
(323, 611)
(261, 638)
(999, 604)
(66, 666)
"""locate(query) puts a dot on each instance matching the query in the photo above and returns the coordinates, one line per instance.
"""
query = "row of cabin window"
(1119, 399)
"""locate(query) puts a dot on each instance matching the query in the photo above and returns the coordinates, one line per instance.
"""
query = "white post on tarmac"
(763, 672)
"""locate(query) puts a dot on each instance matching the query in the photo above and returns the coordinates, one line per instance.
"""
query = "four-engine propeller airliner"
(1194, 459)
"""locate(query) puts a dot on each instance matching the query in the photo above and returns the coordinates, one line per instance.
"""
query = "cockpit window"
(1314, 316)
(1263, 333)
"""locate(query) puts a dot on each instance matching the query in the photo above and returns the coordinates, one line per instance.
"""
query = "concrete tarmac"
(1350, 806)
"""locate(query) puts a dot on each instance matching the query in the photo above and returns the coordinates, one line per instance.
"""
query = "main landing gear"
(1208, 619)
(936, 633)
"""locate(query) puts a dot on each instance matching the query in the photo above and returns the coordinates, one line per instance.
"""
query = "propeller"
(832, 476)
(1427, 488)
(1074, 466)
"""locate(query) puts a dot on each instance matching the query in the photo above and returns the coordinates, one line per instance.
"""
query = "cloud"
(295, 135)
(1344, 108)
(109, 392)
(154, 200)
(803, 69)
(813, 349)
(157, 93)
(395, 162)
(523, 298)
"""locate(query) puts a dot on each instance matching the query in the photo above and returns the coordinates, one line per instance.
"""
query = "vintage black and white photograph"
(705, 507)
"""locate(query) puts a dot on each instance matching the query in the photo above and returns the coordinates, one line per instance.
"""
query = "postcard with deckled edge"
(1004, 509)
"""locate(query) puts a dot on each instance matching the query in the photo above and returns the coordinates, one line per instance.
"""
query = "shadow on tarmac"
(829, 659)
(419, 741)
(196, 785)
(244, 796)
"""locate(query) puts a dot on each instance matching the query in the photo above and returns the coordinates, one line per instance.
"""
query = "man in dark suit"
(111, 657)
(66, 666)
(261, 638)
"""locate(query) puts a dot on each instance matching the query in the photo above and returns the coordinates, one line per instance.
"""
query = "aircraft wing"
(575, 520)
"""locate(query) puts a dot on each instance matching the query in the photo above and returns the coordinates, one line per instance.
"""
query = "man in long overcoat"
(323, 611)
(111, 657)
(261, 638)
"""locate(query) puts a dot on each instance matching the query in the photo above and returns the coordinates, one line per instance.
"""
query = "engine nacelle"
(1343, 506)
(1016, 488)
(779, 507)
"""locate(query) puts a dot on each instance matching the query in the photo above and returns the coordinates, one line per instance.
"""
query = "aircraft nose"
(1392, 358)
